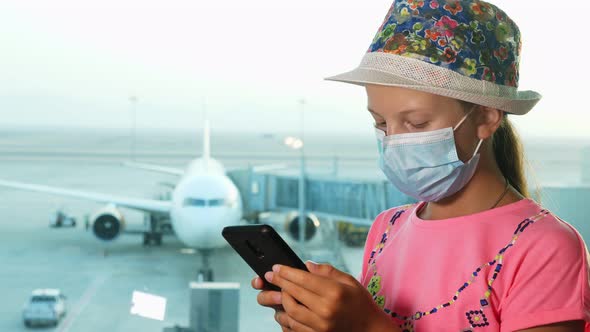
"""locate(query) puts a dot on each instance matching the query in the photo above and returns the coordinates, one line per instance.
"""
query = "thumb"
(328, 271)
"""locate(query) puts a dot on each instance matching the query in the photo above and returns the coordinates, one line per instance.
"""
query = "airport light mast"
(133, 102)
(297, 143)
(301, 190)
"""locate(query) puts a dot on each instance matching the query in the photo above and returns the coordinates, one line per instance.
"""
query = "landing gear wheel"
(152, 239)
(147, 239)
(158, 239)
(210, 275)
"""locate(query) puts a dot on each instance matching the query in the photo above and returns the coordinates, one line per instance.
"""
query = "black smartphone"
(261, 247)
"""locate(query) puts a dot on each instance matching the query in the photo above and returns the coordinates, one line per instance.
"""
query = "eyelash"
(379, 125)
(417, 126)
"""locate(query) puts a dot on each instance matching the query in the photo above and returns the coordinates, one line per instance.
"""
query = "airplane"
(203, 202)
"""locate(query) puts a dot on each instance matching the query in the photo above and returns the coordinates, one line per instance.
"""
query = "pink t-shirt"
(505, 269)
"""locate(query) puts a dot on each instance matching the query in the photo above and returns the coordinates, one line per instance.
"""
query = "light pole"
(298, 144)
(133, 101)
(301, 190)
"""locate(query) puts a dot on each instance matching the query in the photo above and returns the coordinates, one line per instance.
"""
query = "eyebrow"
(402, 112)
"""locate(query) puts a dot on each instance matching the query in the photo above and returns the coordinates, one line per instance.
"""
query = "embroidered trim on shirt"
(476, 318)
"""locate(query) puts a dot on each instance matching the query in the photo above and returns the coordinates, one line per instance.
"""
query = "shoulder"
(392, 216)
(545, 274)
(376, 231)
(547, 253)
(382, 223)
(547, 235)
(543, 244)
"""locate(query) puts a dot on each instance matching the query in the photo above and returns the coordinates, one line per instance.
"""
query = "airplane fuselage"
(203, 203)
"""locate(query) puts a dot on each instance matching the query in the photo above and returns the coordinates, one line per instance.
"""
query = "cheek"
(466, 141)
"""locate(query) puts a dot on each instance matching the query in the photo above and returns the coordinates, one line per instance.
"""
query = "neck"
(480, 194)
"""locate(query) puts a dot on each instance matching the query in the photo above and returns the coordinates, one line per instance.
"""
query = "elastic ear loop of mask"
(463, 120)
(460, 123)
(477, 148)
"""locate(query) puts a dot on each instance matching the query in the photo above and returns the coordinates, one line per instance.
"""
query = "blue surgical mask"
(425, 165)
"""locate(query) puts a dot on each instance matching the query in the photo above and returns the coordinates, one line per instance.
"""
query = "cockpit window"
(216, 202)
(194, 202)
(202, 202)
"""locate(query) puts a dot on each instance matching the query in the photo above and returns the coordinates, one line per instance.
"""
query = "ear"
(488, 121)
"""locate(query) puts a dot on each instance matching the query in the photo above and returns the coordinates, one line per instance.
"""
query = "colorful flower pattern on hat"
(473, 38)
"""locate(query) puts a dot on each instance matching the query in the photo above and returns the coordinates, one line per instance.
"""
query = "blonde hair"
(509, 154)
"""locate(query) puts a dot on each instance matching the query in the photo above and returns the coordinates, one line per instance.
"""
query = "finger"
(298, 317)
(283, 328)
(257, 283)
(311, 265)
(282, 318)
(289, 324)
(328, 271)
(315, 283)
(306, 297)
(269, 298)
(278, 307)
(301, 313)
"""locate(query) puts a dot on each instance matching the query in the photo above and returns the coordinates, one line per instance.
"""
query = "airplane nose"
(201, 228)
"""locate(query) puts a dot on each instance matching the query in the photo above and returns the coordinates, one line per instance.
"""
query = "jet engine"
(107, 223)
(312, 224)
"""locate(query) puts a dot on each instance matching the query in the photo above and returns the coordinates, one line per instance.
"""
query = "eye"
(380, 125)
(420, 125)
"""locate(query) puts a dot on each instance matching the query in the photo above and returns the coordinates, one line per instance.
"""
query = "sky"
(246, 65)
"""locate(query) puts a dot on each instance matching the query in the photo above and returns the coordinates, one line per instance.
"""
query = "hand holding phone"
(261, 247)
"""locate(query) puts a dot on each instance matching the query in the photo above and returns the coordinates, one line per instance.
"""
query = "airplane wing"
(148, 205)
(155, 168)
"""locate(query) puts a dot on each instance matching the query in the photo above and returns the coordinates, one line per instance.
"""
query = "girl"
(476, 253)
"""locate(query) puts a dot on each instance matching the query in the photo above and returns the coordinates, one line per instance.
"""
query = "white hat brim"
(520, 102)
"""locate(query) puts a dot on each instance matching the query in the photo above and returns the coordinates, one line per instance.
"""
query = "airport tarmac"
(98, 278)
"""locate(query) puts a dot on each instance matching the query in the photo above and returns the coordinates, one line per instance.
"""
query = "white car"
(45, 307)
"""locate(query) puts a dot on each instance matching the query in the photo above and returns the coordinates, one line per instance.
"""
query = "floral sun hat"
(468, 50)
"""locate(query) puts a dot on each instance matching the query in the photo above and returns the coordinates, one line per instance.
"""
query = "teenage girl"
(476, 253)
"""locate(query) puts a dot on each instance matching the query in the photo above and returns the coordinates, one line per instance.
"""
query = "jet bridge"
(356, 201)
